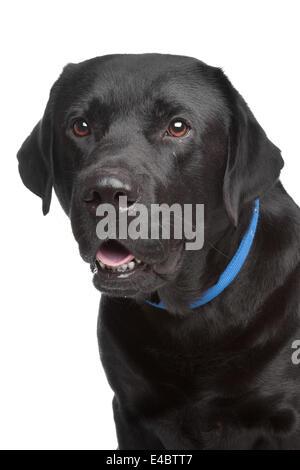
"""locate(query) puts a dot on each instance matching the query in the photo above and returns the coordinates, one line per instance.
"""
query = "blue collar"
(232, 269)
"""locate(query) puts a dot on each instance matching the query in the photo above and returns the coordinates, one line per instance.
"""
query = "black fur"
(220, 376)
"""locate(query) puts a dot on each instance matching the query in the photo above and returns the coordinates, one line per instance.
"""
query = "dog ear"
(253, 163)
(36, 154)
(35, 160)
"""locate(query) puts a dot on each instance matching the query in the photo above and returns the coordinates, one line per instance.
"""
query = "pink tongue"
(112, 253)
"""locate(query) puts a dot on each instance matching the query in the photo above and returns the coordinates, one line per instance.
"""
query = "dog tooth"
(102, 265)
(122, 268)
(94, 268)
(138, 260)
(131, 265)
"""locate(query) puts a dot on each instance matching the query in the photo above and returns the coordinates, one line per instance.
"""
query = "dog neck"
(232, 269)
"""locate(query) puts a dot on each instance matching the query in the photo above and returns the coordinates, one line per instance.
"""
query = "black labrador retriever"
(155, 128)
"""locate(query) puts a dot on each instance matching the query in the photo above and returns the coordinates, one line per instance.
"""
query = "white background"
(53, 391)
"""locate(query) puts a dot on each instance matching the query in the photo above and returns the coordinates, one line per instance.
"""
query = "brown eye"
(178, 128)
(81, 128)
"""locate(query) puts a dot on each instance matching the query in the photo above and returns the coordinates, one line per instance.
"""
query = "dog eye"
(81, 128)
(178, 128)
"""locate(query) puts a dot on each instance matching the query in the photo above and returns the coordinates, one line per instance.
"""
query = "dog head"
(156, 129)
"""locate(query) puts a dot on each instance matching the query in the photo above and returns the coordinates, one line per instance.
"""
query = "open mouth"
(113, 259)
(119, 272)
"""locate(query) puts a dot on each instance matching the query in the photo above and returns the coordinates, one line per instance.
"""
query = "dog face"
(156, 129)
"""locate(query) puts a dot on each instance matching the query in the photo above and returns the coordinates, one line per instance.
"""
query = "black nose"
(108, 188)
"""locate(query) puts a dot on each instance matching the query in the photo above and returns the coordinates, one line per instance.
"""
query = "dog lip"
(171, 262)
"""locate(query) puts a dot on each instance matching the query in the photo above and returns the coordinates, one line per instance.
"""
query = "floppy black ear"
(254, 162)
(35, 161)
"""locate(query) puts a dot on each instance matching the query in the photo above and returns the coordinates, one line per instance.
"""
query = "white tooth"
(122, 268)
(102, 265)
(94, 269)
(138, 260)
(131, 265)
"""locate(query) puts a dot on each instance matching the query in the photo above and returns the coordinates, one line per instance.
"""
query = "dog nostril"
(130, 202)
(92, 197)
(118, 194)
